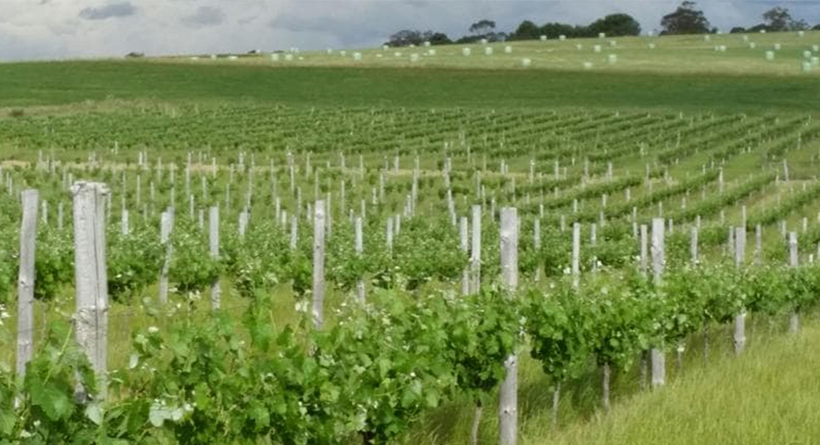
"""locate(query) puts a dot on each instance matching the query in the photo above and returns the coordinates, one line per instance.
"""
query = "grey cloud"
(346, 31)
(204, 16)
(112, 10)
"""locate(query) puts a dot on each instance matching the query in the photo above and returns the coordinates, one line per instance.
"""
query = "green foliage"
(53, 263)
(560, 324)
(623, 322)
(685, 20)
(48, 410)
(192, 268)
(134, 261)
(259, 261)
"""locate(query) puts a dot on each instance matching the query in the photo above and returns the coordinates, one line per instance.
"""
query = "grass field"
(681, 73)
(667, 55)
(735, 111)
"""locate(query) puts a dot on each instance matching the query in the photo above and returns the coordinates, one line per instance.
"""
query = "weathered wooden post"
(360, 290)
(166, 226)
(656, 353)
(508, 396)
(576, 254)
(794, 318)
(318, 264)
(536, 241)
(740, 319)
(213, 241)
(475, 251)
(25, 282)
(294, 227)
(91, 279)
(465, 247)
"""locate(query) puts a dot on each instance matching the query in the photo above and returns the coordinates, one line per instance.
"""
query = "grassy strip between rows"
(769, 396)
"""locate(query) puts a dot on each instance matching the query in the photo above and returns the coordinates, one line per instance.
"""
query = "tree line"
(686, 19)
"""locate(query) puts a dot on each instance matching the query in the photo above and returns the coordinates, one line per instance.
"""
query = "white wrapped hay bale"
(357, 57)
(488, 51)
(807, 54)
(707, 38)
(274, 57)
(213, 56)
(777, 47)
(612, 59)
(815, 48)
(562, 37)
(745, 38)
(752, 45)
(508, 49)
(288, 57)
(807, 66)
(601, 35)
(194, 58)
(769, 55)
(579, 47)
(431, 52)
(385, 47)
(426, 44)
(343, 53)
(651, 46)
(613, 43)
(587, 65)
(526, 62)
(301, 58)
(232, 58)
(596, 48)
(801, 33)
(414, 57)
(815, 61)
(379, 56)
(763, 31)
(483, 41)
(329, 51)
(397, 54)
(466, 51)
(722, 48)
(543, 38)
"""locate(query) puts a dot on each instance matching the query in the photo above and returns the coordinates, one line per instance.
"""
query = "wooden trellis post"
(25, 281)
(91, 277)
(508, 396)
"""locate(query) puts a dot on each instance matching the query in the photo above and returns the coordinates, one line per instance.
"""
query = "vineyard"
(230, 272)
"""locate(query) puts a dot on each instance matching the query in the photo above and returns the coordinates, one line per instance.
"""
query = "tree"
(685, 20)
(779, 19)
(816, 28)
(616, 25)
(759, 27)
(439, 38)
(737, 30)
(407, 37)
(527, 30)
(482, 27)
(553, 30)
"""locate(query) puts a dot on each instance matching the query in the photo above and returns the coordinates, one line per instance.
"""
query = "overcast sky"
(56, 29)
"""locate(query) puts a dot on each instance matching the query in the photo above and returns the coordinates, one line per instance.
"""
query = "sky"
(63, 29)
